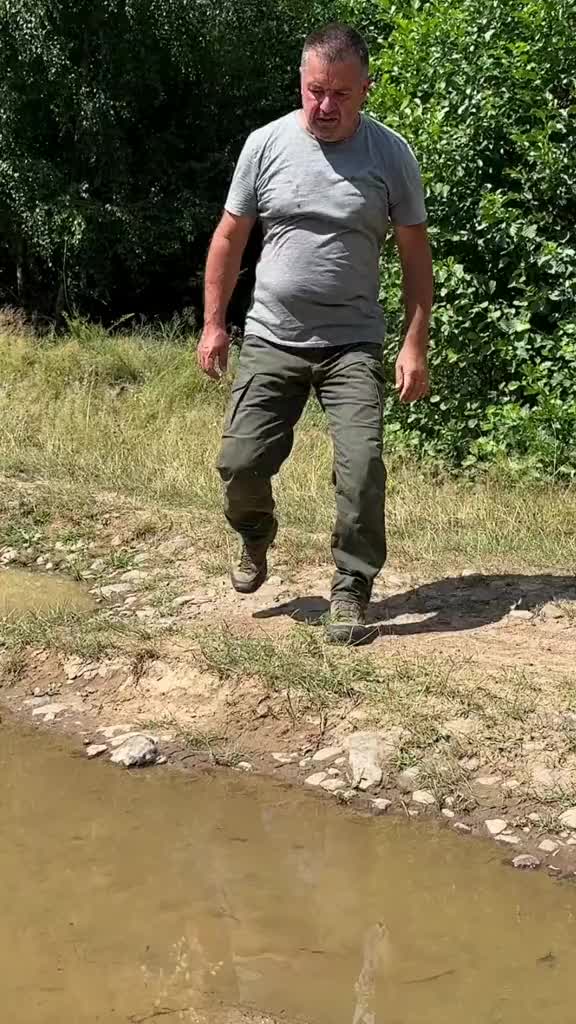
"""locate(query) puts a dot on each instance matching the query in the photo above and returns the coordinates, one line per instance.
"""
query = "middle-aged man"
(326, 182)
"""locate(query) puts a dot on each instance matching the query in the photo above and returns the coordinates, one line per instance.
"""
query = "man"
(326, 182)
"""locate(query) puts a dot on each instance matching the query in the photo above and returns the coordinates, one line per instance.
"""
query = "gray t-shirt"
(325, 210)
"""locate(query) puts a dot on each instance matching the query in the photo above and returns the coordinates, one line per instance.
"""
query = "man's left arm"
(418, 287)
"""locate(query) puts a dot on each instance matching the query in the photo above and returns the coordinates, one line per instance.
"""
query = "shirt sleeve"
(407, 204)
(242, 199)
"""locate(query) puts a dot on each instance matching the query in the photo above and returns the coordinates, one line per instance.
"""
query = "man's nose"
(328, 106)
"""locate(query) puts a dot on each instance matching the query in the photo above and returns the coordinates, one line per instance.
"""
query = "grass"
(72, 632)
(132, 416)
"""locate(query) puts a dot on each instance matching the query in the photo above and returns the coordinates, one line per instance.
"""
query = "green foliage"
(486, 95)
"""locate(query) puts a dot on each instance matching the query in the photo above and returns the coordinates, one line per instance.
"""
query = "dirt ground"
(469, 682)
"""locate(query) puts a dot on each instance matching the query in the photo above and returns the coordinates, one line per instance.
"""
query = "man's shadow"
(448, 605)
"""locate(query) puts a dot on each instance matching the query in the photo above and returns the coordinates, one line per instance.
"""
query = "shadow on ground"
(452, 604)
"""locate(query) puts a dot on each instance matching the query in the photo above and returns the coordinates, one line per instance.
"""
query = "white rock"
(459, 826)
(422, 796)
(381, 805)
(334, 771)
(449, 801)
(548, 846)
(568, 818)
(368, 752)
(510, 784)
(50, 710)
(114, 588)
(526, 862)
(333, 785)
(469, 572)
(244, 766)
(470, 764)
(283, 758)
(95, 749)
(488, 780)
(340, 761)
(305, 762)
(520, 615)
(135, 576)
(112, 730)
(317, 779)
(511, 840)
(326, 754)
(571, 842)
(496, 826)
(448, 813)
(534, 817)
(135, 752)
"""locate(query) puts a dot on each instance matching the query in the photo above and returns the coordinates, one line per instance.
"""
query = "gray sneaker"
(346, 623)
(252, 569)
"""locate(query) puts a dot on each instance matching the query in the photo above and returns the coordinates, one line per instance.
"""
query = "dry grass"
(134, 417)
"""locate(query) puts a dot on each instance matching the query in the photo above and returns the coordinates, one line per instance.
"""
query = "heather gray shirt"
(325, 210)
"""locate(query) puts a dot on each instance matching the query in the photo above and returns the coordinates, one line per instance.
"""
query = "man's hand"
(412, 373)
(212, 351)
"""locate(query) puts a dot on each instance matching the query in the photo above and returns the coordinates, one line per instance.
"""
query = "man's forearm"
(418, 296)
(222, 271)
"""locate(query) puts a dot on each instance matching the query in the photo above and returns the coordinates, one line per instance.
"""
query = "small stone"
(95, 749)
(568, 818)
(283, 758)
(571, 842)
(511, 840)
(548, 846)
(305, 762)
(135, 576)
(347, 795)
(275, 581)
(469, 572)
(564, 835)
(526, 862)
(340, 761)
(488, 780)
(114, 588)
(184, 599)
(459, 826)
(244, 766)
(326, 754)
(422, 796)
(520, 614)
(510, 784)
(534, 817)
(381, 805)
(334, 771)
(50, 710)
(449, 801)
(135, 752)
(162, 759)
(333, 785)
(496, 826)
(317, 779)
(470, 764)
(550, 610)
(448, 813)
(459, 728)
(408, 779)
(11, 555)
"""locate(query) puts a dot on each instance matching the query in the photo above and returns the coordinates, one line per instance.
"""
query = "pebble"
(135, 576)
(244, 766)
(535, 817)
(520, 614)
(135, 752)
(459, 826)
(112, 588)
(333, 785)
(568, 818)
(326, 754)
(50, 710)
(317, 779)
(496, 826)
(162, 759)
(422, 796)
(510, 784)
(448, 813)
(511, 840)
(95, 749)
(571, 842)
(334, 771)
(305, 762)
(548, 846)
(469, 572)
(488, 780)
(283, 758)
(470, 764)
(526, 862)
(340, 761)
(381, 805)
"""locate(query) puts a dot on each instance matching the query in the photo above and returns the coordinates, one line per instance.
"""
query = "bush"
(485, 93)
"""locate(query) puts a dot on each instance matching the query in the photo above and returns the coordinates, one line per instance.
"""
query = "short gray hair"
(337, 42)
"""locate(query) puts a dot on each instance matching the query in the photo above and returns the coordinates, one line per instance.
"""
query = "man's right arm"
(222, 270)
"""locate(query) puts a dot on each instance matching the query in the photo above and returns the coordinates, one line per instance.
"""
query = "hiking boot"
(252, 569)
(346, 623)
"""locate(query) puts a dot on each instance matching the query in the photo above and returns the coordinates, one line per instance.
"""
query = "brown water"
(132, 897)
(23, 591)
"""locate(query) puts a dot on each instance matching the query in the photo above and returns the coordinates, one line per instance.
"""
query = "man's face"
(332, 96)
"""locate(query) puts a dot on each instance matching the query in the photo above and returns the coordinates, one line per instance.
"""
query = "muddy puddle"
(156, 896)
(22, 592)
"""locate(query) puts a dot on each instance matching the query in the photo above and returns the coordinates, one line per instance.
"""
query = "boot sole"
(253, 586)
(339, 633)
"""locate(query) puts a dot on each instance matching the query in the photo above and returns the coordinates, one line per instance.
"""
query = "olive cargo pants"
(268, 397)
